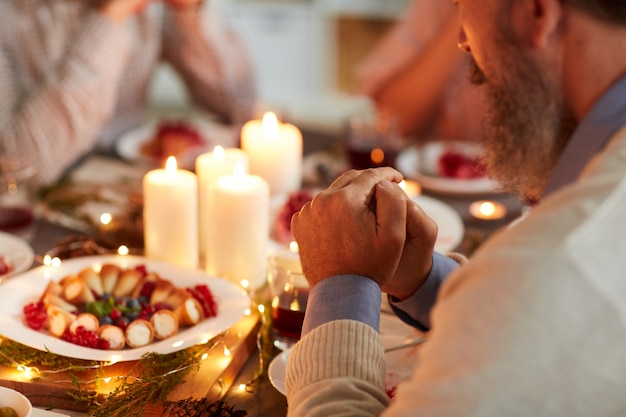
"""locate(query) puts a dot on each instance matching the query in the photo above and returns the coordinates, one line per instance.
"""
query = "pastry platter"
(27, 287)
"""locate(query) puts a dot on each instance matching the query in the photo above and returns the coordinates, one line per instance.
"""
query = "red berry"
(115, 314)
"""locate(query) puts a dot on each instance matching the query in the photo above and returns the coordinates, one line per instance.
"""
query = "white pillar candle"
(170, 215)
(275, 151)
(238, 228)
(209, 167)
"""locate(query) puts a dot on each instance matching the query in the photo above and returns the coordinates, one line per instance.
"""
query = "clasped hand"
(365, 224)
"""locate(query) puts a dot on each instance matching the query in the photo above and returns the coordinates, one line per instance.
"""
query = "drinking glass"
(289, 290)
(18, 198)
(372, 140)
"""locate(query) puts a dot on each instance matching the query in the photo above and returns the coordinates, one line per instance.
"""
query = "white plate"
(18, 251)
(400, 363)
(419, 164)
(128, 146)
(16, 293)
(451, 229)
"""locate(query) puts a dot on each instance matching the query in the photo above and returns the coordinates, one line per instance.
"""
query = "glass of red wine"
(18, 198)
(289, 291)
(371, 140)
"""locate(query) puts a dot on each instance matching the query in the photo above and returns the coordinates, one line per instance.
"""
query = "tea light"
(275, 151)
(170, 215)
(238, 228)
(411, 188)
(209, 167)
(288, 259)
(487, 210)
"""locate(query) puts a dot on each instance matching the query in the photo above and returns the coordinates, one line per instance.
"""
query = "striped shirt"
(71, 80)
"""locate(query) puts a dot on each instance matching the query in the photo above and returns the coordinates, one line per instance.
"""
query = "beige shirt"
(71, 80)
(533, 325)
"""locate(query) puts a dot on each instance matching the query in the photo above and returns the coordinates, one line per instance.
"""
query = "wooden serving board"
(211, 380)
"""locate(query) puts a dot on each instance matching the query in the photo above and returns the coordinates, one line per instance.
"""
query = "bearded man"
(534, 324)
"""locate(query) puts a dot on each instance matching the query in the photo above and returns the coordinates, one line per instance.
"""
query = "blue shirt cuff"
(351, 297)
(415, 310)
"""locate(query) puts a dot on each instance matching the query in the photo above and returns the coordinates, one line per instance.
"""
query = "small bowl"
(15, 400)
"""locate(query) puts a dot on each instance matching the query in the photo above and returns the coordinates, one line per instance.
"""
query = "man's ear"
(537, 21)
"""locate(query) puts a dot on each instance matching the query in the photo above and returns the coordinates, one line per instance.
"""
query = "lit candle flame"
(170, 166)
(218, 153)
(270, 125)
(123, 250)
(487, 208)
(293, 246)
(106, 218)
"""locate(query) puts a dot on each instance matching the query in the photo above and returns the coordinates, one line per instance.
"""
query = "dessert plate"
(129, 145)
(419, 163)
(17, 251)
(26, 288)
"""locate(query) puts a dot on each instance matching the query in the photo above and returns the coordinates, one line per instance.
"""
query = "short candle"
(275, 151)
(209, 167)
(238, 227)
(487, 210)
(170, 215)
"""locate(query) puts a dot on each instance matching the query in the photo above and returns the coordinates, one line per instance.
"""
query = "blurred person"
(417, 77)
(74, 75)
(534, 323)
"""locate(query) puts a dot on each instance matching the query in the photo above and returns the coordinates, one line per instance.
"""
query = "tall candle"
(275, 151)
(209, 167)
(238, 227)
(170, 215)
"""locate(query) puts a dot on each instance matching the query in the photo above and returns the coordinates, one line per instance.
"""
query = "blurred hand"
(417, 255)
(183, 3)
(120, 10)
(357, 226)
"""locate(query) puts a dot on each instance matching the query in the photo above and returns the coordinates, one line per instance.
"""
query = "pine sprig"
(150, 381)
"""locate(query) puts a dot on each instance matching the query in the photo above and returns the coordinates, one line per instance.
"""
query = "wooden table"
(259, 398)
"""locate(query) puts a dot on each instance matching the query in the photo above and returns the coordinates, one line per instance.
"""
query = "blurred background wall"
(304, 53)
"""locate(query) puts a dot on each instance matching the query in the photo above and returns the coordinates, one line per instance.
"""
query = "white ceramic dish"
(16, 293)
(15, 400)
(128, 146)
(451, 229)
(400, 363)
(18, 252)
(419, 164)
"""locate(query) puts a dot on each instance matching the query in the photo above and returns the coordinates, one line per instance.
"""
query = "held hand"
(416, 261)
(357, 225)
(120, 10)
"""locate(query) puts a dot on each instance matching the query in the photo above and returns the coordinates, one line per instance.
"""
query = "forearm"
(414, 93)
(56, 122)
(212, 61)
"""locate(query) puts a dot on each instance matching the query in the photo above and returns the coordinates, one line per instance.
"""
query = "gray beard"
(526, 125)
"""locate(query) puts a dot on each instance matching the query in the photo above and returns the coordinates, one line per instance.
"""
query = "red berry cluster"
(454, 164)
(5, 265)
(35, 315)
(84, 337)
(203, 294)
